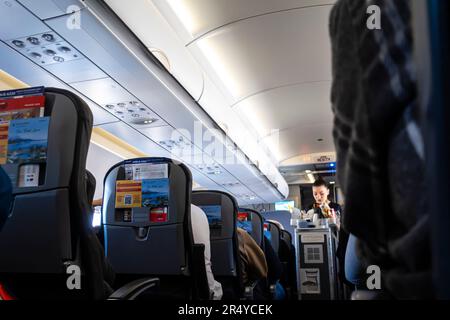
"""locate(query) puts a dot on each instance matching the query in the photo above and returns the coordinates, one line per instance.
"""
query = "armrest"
(249, 290)
(132, 290)
(199, 272)
(368, 295)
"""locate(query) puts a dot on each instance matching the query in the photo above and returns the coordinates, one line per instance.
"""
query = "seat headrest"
(221, 209)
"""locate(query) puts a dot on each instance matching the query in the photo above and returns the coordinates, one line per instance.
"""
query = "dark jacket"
(373, 89)
(275, 268)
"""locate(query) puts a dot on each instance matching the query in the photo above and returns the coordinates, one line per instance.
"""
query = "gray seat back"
(275, 235)
(37, 237)
(221, 210)
(252, 222)
(49, 228)
(146, 217)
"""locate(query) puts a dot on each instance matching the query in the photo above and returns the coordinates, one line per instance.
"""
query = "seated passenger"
(5, 196)
(109, 275)
(200, 230)
(252, 258)
(275, 268)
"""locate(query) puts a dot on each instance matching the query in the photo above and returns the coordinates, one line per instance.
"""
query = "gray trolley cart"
(316, 263)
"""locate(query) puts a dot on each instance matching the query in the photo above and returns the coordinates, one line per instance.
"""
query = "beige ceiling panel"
(202, 16)
(287, 107)
(267, 52)
(303, 140)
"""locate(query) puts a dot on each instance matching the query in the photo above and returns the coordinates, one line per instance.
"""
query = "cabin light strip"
(8, 82)
(118, 147)
(114, 145)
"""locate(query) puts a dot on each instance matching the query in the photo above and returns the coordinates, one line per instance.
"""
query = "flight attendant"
(322, 206)
(349, 265)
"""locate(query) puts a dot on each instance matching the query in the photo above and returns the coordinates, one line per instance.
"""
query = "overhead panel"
(136, 139)
(18, 22)
(76, 71)
(157, 35)
(175, 142)
(134, 81)
(132, 70)
(45, 9)
(112, 97)
(27, 71)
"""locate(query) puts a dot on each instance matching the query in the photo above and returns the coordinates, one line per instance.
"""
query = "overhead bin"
(132, 73)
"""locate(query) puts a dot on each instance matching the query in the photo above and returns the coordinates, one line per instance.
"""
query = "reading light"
(64, 49)
(33, 40)
(48, 37)
(35, 55)
(18, 43)
(58, 59)
(50, 52)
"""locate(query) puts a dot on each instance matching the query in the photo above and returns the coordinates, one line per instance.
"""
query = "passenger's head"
(320, 191)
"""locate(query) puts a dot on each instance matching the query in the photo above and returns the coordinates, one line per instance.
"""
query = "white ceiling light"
(184, 15)
(220, 67)
(310, 176)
